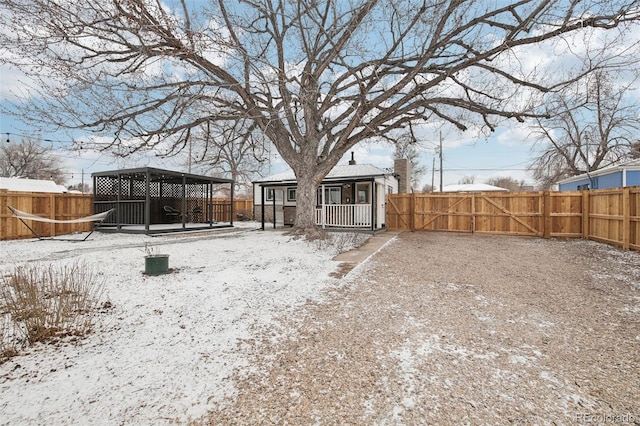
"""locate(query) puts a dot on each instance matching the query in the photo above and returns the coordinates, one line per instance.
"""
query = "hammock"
(22, 216)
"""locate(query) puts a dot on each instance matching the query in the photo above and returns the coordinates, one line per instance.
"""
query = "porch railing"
(344, 215)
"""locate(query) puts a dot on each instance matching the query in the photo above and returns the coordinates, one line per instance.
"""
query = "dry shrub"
(340, 242)
(48, 302)
(8, 348)
(244, 214)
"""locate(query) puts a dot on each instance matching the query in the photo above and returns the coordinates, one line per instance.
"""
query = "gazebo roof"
(161, 174)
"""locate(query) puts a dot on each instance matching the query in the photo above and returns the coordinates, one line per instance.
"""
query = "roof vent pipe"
(352, 162)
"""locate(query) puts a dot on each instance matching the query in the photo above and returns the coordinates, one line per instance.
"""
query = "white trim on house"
(623, 167)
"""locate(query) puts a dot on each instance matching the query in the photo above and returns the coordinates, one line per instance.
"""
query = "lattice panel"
(154, 189)
(137, 189)
(106, 188)
(171, 190)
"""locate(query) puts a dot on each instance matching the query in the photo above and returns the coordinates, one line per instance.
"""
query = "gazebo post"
(184, 200)
(147, 200)
(119, 199)
(262, 206)
(210, 204)
(232, 205)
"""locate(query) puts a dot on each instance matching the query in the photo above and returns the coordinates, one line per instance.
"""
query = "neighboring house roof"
(627, 165)
(30, 185)
(337, 173)
(471, 187)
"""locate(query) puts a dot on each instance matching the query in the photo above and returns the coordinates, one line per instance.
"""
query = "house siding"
(633, 177)
(575, 185)
(612, 180)
(609, 180)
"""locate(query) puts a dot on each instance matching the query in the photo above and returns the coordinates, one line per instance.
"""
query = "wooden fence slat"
(626, 218)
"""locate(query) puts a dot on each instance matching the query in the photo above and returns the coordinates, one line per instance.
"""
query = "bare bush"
(45, 302)
(244, 214)
(340, 242)
(8, 349)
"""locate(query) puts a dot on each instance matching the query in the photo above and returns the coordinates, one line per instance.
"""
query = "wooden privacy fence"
(71, 206)
(51, 206)
(610, 216)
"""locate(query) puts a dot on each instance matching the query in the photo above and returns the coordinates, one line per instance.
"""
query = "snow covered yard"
(165, 350)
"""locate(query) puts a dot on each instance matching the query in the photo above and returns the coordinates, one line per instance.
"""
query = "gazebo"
(149, 200)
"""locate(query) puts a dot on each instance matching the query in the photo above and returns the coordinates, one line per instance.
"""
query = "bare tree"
(466, 180)
(235, 148)
(317, 77)
(635, 150)
(509, 183)
(592, 124)
(30, 159)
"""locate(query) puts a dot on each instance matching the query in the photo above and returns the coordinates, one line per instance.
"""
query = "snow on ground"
(164, 352)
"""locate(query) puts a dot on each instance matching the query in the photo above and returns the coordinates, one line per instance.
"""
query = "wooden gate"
(487, 212)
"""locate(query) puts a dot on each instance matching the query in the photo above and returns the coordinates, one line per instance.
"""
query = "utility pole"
(433, 173)
(440, 152)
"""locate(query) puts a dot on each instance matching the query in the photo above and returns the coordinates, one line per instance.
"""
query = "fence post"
(586, 220)
(547, 221)
(52, 203)
(4, 230)
(412, 209)
(626, 217)
(473, 213)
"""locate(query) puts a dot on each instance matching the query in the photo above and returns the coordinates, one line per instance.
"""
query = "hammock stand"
(22, 216)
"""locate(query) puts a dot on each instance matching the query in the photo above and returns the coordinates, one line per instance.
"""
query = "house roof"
(337, 173)
(627, 165)
(471, 187)
(30, 185)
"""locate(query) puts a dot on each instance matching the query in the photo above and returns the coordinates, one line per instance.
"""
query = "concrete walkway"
(352, 258)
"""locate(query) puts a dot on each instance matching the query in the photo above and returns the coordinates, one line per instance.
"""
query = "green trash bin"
(156, 264)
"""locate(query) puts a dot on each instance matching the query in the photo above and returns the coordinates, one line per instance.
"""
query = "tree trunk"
(306, 205)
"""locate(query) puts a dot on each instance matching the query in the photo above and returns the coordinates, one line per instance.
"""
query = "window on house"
(291, 194)
(332, 195)
(270, 194)
(362, 193)
(389, 189)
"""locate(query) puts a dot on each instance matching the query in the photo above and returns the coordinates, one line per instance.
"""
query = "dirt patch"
(450, 328)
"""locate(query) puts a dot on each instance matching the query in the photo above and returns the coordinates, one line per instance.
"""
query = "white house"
(351, 196)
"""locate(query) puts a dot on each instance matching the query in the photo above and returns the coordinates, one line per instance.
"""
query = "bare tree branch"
(592, 124)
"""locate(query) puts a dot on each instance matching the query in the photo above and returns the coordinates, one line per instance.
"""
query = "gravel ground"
(457, 329)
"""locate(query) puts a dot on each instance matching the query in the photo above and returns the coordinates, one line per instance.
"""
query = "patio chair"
(171, 212)
(196, 214)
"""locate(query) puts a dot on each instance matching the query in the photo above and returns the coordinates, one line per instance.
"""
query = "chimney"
(352, 162)
(402, 169)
